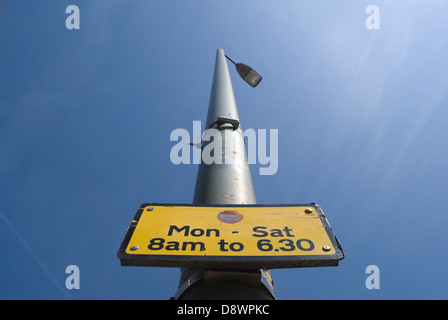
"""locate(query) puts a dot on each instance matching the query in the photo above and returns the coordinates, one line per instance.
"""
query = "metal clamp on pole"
(223, 120)
(227, 284)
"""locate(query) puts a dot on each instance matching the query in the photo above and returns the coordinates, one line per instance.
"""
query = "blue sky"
(86, 116)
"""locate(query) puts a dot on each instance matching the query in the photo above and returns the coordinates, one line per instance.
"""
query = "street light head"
(248, 74)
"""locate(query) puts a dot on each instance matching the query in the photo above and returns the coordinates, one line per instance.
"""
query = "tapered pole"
(224, 182)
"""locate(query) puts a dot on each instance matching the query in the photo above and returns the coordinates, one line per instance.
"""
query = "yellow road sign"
(232, 236)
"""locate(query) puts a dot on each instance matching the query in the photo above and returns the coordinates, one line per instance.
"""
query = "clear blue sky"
(86, 116)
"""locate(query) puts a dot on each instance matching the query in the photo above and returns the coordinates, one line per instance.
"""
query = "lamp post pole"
(228, 182)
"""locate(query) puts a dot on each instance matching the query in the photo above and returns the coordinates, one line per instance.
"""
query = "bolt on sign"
(233, 236)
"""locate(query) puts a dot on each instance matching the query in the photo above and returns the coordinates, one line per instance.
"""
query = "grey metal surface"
(229, 182)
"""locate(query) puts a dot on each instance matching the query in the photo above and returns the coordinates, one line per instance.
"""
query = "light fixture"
(247, 73)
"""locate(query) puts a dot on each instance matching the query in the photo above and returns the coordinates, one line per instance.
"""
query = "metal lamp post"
(228, 182)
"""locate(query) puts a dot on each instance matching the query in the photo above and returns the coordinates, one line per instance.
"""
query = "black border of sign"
(234, 262)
